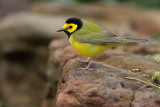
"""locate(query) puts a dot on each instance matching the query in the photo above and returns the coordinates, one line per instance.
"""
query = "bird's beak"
(61, 30)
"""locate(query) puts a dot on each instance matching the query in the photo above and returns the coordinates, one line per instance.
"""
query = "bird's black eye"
(70, 26)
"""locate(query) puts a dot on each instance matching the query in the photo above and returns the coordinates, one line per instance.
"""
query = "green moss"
(157, 58)
(156, 77)
(134, 69)
(146, 75)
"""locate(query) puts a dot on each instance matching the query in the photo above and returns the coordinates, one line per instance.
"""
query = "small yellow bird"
(90, 39)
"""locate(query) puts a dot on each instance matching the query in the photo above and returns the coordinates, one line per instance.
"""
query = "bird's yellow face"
(71, 27)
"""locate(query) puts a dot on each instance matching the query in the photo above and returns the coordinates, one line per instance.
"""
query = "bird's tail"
(131, 39)
(135, 40)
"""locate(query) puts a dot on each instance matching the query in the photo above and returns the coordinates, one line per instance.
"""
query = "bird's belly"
(88, 49)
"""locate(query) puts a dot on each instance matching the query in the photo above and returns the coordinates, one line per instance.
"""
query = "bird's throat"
(68, 34)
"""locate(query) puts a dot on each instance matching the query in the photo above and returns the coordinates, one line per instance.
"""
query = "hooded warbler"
(90, 39)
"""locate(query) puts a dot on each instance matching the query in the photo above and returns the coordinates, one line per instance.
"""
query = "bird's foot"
(87, 68)
(90, 69)
(83, 60)
(88, 60)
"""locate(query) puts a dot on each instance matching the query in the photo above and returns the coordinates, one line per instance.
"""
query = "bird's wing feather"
(92, 33)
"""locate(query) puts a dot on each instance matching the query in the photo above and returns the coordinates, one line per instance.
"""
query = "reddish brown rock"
(105, 86)
(128, 61)
(65, 100)
(146, 97)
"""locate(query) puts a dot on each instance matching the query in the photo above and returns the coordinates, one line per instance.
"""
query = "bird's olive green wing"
(92, 33)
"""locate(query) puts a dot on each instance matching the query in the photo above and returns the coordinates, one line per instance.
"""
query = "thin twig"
(142, 81)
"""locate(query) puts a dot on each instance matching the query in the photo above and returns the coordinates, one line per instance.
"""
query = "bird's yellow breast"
(88, 49)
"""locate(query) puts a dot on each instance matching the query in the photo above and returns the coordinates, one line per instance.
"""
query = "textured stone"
(146, 97)
(105, 86)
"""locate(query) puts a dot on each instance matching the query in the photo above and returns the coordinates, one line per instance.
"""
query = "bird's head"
(71, 25)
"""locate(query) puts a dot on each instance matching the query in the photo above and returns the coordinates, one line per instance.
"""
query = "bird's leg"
(83, 60)
(89, 59)
(89, 63)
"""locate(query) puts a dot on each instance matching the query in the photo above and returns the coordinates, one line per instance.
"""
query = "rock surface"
(151, 48)
(145, 97)
(105, 86)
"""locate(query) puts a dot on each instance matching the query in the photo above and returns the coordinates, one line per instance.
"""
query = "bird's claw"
(90, 69)
(83, 60)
